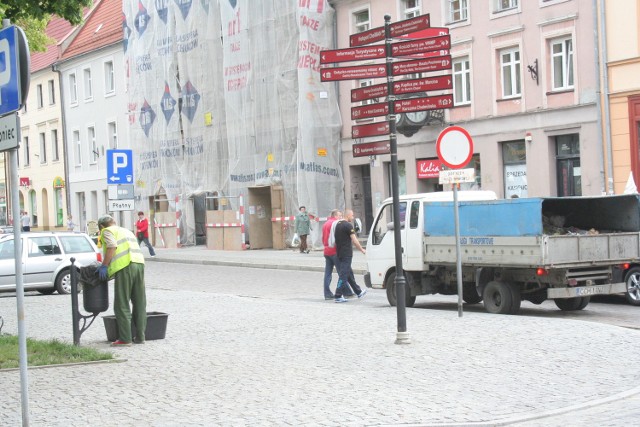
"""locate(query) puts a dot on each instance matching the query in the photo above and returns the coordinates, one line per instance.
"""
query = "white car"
(46, 260)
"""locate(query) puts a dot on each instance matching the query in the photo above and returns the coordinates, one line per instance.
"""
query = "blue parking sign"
(10, 89)
(120, 166)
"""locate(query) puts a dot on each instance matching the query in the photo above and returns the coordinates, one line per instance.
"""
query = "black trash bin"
(95, 298)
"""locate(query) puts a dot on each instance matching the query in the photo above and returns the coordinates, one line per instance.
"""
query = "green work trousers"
(129, 286)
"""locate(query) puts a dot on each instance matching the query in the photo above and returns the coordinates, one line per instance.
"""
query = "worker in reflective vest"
(123, 260)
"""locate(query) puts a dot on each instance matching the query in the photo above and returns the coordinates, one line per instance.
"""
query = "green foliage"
(35, 30)
(52, 352)
(71, 10)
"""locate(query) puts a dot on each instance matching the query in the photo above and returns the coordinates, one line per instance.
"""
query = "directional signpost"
(432, 48)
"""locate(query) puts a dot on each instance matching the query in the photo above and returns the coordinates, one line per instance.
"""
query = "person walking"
(142, 233)
(330, 256)
(345, 236)
(303, 228)
(123, 260)
(70, 224)
(25, 220)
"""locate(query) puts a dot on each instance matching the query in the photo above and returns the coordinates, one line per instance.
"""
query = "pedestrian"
(25, 220)
(345, 236)
(123, 260)
(70, 224)
(303, 228)
(330, 256)
(142, 227)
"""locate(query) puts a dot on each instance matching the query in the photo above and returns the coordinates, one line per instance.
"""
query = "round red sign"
(454, 147)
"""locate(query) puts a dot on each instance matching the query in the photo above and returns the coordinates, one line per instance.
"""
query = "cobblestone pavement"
(237, 359)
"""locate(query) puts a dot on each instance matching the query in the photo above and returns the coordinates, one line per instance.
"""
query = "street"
(251, 346)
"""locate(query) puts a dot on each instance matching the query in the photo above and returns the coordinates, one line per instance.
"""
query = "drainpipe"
(63, 138)
(605, 78)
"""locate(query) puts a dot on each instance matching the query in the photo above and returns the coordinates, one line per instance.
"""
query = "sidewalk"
(286, 259)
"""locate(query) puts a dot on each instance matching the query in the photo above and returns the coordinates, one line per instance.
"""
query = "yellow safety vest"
(127, 251)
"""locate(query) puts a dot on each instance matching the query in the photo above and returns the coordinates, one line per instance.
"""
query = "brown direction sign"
(371, 129)
(421, 65)
(352, 54)
(421, 46)
(371, 110)
(402, 87)
(397, 29)
(371, 148)
(369, 92)
(353, 73)
(421, 104)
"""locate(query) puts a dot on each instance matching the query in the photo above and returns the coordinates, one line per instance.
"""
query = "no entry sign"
(454, 147)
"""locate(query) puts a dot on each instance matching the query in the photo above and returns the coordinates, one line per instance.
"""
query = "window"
(410, 8)
(514, 158)
(113, 135)
(384, 224)
(43, 148)
(59, 201)
(75, 244)
(500, 5)
(39, 96)
(52, 92)
(73, 89)
(78, 145)
(461, 81)
(562, 64)
(93, 148)
(568, 165)
(361, 21)
(88, 92)
(25, 151)
(42, 246)
(458, 10)
(414, 216)
(109, 80)
(510, 72)
(55, 150)
(402, 178)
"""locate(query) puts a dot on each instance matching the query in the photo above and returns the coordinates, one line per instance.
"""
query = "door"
(381, 243)
(260, 230)
(7, 264)
(43, 258)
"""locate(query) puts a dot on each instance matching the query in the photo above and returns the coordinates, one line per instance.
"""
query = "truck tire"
(498, 298)
(391, 292)
(569, 304)
(584, 303)
(516, 298)
(632, 279)
(470, 293)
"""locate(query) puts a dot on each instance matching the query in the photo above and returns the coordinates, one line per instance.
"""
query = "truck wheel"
(497, 298)
(470, 293)
(584, 303)
(391, 292)
(516, 298)
(569, 304)
(632, 279)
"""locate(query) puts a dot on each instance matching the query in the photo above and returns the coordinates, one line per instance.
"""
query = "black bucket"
(95, 298)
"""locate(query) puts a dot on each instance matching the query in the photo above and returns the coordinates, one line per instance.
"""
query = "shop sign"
(429, 168)
(58, 182)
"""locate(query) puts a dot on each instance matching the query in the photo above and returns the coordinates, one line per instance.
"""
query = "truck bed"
(536, 232)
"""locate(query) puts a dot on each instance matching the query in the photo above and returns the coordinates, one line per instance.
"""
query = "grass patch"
(40, 353)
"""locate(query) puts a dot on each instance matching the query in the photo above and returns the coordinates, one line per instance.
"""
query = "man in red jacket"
(142, 227)
(331, 257)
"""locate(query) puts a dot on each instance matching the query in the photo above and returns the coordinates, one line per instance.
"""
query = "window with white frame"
(93, 147)
(88, 91)
(55, 150)
(562, 63)
(52, 92)
(500, 5)
(510, 72)
(461, 81)
(73, 89)
(78, 145)
(25, 151)
(43, 148)
(410, 8)
(457, 10)
(112, 130)
(109, 79)
(39, 95)
(361, 21)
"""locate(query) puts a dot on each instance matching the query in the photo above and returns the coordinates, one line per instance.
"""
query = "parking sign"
(120, 166)
(10, 94)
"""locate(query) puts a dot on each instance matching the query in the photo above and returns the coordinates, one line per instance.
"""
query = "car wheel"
(63, 282)
(391, 292)
(632, 279)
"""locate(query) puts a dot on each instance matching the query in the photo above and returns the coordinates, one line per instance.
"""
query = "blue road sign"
(10, 89)
(120, 166)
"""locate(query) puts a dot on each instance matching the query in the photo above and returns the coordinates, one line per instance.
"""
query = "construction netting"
(225, 95)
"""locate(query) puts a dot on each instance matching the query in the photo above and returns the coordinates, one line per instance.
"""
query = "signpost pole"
(402, 336)
(458, 249)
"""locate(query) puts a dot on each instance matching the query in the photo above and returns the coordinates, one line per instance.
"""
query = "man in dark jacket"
(345, 236)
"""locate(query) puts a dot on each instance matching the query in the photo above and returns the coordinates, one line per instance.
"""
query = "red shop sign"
(429, 168)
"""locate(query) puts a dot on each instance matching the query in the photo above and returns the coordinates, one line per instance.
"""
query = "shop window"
(568, 165)
(514, 159)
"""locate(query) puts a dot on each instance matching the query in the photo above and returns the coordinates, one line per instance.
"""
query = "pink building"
(525, 86)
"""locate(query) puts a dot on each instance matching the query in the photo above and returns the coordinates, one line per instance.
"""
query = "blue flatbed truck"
(530, 249)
